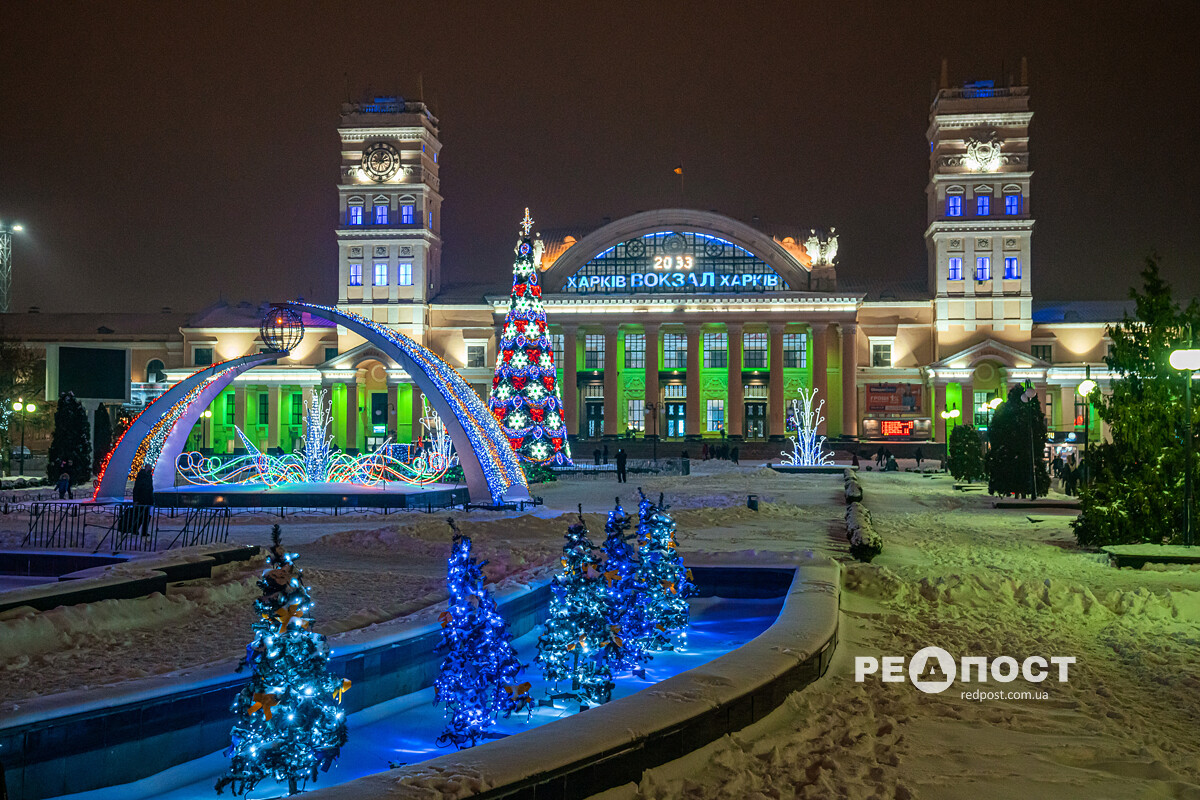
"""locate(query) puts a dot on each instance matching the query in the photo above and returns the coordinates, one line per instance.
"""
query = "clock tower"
(980, 219)
(389, 212)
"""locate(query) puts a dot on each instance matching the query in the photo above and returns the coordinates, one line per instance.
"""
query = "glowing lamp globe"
(1086, 388)
(282, 328)
(1185, 359)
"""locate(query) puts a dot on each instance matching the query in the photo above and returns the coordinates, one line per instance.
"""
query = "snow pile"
(865, 543)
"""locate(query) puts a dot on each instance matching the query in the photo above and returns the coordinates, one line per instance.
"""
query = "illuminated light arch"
(490, 466)
(792, 269)
(195, 389)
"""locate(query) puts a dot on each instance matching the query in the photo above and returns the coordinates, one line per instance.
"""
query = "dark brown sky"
(166, 153)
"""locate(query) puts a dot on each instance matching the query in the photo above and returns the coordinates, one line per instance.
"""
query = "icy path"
(403, 730)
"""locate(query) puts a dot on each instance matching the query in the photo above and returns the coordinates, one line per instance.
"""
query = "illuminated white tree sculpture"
(808, 446)
(317, 439)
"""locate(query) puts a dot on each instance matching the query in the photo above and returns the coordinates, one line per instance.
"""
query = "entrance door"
(595, 420)
(676, 415)
(756, 420)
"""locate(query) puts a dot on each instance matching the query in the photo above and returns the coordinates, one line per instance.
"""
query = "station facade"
(677, 324)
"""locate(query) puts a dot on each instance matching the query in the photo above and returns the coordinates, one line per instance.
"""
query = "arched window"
(407, 204)
(354, 211)
(1012, 200)
(156, 372)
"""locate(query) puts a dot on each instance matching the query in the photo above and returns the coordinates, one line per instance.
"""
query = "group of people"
(1069, 473)
(601, 457)
(720, 451)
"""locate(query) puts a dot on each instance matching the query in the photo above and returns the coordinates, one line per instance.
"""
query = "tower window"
(381, 215)
(1012, 268)
(381, 274)
(983, 268)
(983, 205)
(955, 269)
(406, 215)
(1012, 204)
(953, 206)
(354, 215)
(356, 274)
(404, 274)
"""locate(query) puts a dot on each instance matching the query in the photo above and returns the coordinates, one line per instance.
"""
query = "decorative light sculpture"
(808, 446)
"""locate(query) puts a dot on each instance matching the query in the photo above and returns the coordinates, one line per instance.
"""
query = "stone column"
(273, 415)
(693, 428)
(612, 391)
(849, 379)
(570, 388)
(967, 412)
(653, 401)
(352, 416)
(776, 405)
(735, 396)
(1066, 408)
(939, 405)
(820, 369)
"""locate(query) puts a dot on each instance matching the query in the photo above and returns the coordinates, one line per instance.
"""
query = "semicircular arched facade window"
(675, 263)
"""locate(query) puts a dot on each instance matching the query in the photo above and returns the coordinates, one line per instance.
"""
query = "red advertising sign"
(896, 427)
(894, 398)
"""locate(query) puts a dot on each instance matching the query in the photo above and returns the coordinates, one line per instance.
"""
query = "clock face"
(380, 161)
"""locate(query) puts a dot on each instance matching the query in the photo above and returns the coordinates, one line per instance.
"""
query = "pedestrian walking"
(605, 454)
(622, 460)
(919, 456)
(879, 456)
(733, 454)
(143, 499)
(596, 456)
(63, 485)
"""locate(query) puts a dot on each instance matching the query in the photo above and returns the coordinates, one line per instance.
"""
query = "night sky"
(167, 154)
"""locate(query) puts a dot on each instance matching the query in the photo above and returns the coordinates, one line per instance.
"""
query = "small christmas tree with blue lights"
(664, 584)
(579, 639)
(479, 677)
(525, 397)
(620, 580)
(289, 724)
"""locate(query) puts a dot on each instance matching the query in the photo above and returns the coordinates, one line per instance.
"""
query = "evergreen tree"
(620, 580)
(101, 438)
(288, 723)
(663, 583)
(965, 454)
(70, 447)
(1135, 489)
(480, 670)
(525, 398)
(22, 376)
(579, 640)
(1017, 436)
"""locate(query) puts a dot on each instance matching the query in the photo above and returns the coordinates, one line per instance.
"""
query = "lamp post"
(1030, 396)
(652, 410)
(6, 231)
(1084, 390)
(24, 409)
(1188, 361)
(204, 428)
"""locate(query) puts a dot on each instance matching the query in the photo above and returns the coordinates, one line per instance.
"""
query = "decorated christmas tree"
(579, 640)
(663, 583)
(480, 671)
(289, 725)
(525, 397)
(620, 580)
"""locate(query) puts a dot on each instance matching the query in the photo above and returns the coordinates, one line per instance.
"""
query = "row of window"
(983, 268)
(381, 215)
(404, 275)
(983, 205)
(203, 357)
(675, 350)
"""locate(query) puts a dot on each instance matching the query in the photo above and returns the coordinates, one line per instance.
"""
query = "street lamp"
(1085, 389)
(204, 428)
(652, 410)
(952, 413)
(24, 409)
(6, 231)
(1187, 361)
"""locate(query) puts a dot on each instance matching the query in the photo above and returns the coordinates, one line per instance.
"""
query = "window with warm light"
(381, 274)
(716, 415)
(956, 265)
(983, 268)
(404, 274)
(636, 414)
(635, 350)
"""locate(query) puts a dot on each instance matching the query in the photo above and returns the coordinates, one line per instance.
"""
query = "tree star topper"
(527, 223)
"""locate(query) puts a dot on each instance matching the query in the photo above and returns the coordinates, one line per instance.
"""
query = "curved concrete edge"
(613, 744)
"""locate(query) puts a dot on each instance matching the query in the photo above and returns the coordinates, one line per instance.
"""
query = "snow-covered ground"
(954, 573)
